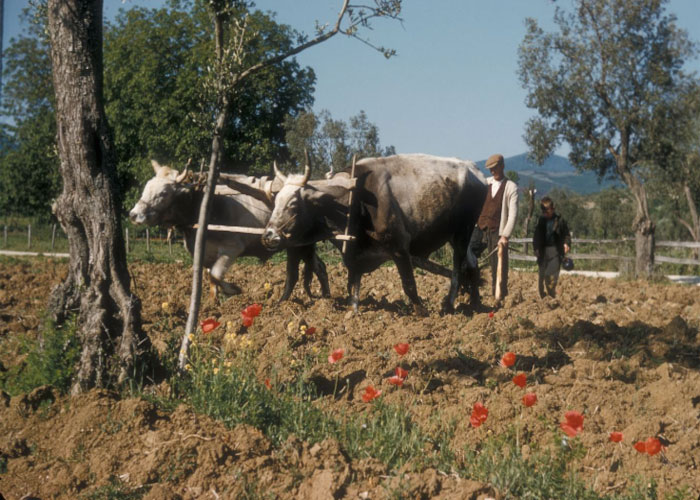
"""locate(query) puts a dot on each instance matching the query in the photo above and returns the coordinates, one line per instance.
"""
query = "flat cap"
(495, 161)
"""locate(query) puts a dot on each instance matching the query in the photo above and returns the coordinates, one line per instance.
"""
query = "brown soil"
(626, 354)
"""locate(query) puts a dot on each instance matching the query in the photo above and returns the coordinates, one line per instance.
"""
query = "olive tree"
(607, 82)
(97, 287)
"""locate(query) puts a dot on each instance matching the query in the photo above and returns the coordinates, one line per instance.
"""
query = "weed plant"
(50, 359)
(227, 389)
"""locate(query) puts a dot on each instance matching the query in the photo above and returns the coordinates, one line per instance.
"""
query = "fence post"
(126, 239)
(148, 240)
(170, 241)
(53, 236)
(29, 236)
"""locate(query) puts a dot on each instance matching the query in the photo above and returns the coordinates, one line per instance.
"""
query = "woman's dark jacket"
(560, 233)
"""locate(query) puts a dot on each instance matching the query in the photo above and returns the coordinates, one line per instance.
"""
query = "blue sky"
(452, 89)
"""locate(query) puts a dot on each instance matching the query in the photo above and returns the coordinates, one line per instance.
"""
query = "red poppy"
(653, 446)
(529, 399)
(573, 424)
(640, 446)
(520, 380)
(311, 330)
(370, 394)
(508, 359)
(400, 372)
(209, 324)
(252, 310)
(491, 314)
(615, 437)
(247, 320)
(336, 355)
(267, 383)
(479, 414)
(395, 380)
(401, 349)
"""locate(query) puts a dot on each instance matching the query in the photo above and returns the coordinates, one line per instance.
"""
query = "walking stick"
(499, 272)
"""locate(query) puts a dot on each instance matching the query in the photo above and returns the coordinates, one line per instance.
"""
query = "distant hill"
(556, 172)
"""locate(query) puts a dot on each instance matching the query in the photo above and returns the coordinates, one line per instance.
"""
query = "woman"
(552, 241)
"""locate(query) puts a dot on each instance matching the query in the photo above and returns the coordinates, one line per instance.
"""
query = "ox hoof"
(230, 289)
(420, 310)
(447, 308)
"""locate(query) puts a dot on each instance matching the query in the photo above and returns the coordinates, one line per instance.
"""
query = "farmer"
(551, 242)
(495, 225)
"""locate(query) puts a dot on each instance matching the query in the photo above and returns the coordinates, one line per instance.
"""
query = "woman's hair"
(546, 202)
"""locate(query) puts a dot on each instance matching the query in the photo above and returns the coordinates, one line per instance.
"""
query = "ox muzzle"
(272, 238)
(138, 214)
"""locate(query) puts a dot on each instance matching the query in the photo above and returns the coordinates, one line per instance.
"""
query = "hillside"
(556, 172)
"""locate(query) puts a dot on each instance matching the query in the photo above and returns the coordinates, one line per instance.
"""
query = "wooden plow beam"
(259, 230)
(347, 222)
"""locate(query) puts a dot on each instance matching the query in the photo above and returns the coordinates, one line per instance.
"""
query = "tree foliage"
(156, 101)
(162, 104)
(332, 143)
(610, 83)
(28, 164)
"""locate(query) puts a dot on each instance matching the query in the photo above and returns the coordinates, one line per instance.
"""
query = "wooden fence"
(527, 242)
(520, 249)
(37, 240)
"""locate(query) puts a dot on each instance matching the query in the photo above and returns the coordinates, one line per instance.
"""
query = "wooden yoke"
(347, 223)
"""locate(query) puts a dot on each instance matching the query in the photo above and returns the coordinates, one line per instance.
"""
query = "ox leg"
(460, 263)
(316, 266)
(408, 280)
(212, 288)
(293, 259)
(354, 279)
(218, 271)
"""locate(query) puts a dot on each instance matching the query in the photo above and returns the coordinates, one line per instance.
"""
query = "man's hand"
(503, 240)
(566, 248)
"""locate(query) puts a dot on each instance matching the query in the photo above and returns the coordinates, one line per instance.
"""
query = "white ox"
(169, 200)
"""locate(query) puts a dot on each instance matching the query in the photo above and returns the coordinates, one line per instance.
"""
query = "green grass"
(228, 390)
(115, 489)
(159, 251)
(50, 359)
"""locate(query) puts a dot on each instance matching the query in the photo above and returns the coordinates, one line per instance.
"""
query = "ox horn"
(307, 174)
(181, 177)
(279, 174)
(156, 166)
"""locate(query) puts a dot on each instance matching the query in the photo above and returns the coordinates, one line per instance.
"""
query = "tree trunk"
(530, 211)
(205, 206)
(693, 226)
(97, 287)
(643, 226)
(644, 231)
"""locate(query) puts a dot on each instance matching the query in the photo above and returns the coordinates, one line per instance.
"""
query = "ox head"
(158, 195)
(289, 214)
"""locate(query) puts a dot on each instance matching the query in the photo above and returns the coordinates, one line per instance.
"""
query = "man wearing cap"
(496, 223)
